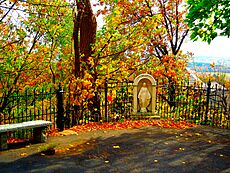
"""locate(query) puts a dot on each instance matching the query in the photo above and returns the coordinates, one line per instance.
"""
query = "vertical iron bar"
(42, 102)
(13, 118)
(26, 103)
(60, 109)
(207, 101)
(224, 100)
(17, 97)
(30, 116)
(22, 132)
(34, 103)
(36, 118)
(188, 102)
(46, 114)
(53, 121)
(200, 111)
(14, 133)
(215, 105)
(220, 110)
(106, 99)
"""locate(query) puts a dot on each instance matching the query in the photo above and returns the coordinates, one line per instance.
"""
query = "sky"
(219, 47)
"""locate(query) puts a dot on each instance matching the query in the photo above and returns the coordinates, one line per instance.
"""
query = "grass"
(48, 149)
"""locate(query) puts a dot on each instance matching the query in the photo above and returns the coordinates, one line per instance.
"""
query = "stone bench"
(39, 133)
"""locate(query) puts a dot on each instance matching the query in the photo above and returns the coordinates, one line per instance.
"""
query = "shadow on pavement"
(150, 149)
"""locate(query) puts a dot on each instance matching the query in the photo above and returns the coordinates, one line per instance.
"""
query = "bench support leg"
(3, 141)
(40, 134)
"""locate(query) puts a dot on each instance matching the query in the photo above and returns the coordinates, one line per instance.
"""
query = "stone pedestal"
(3, 141)
(39, 134)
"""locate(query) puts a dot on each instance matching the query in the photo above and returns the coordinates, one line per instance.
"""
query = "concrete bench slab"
(39, 134)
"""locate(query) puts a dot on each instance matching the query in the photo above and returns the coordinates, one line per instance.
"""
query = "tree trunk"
(84, 35)
(85, 27)
(88, 28)
(76, 32)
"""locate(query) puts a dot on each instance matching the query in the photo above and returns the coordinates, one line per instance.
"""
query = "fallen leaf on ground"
(127, 124)
(24, 154)
(116, 146)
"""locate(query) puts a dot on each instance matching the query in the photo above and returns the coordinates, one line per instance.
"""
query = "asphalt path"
(150, 149)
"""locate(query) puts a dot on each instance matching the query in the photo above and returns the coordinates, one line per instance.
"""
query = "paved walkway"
(148, 149)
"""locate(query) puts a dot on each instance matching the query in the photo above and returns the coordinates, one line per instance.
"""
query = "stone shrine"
(144, 95)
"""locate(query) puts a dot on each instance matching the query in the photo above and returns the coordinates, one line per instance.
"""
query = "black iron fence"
(26, 106)
(207, 104)
(201, 104)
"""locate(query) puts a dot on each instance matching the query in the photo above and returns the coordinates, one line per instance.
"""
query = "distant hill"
(202, 63)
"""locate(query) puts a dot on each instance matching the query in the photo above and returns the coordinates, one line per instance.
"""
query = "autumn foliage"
(34, 44)
(51, 42)
(142, 37)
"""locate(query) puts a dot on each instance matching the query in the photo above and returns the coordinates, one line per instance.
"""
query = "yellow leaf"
(106, 161)
(23, 154)
(155, 161)
(116, 146)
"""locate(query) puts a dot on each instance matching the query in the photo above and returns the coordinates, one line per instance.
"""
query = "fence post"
(207, 101)
(60, 109)
(106, 99)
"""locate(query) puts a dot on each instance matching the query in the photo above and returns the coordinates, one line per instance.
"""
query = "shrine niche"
(144, 95)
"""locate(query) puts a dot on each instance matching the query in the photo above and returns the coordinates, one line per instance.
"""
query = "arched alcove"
(151, 85)
(144, 76)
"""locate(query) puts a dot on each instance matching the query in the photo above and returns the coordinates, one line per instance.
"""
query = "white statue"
(144, 97)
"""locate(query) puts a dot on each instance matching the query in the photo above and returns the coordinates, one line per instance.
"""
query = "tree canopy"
(150, 33)
(47, 42)
(208, 18)
(35, 39)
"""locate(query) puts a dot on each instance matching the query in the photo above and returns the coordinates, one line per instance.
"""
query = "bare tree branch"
(8, 11)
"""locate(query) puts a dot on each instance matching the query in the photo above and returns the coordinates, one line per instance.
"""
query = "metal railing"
(201, 104)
